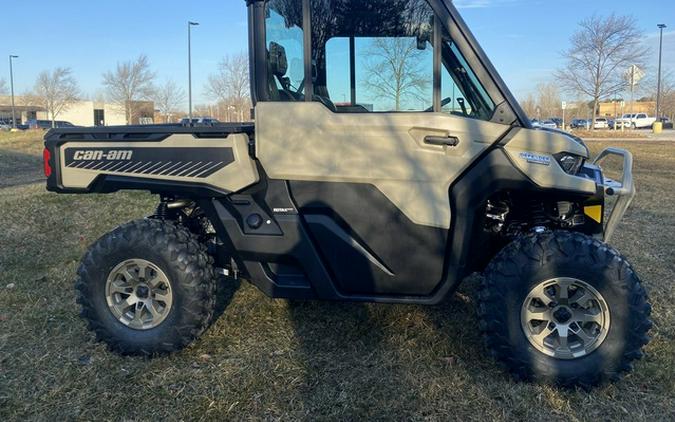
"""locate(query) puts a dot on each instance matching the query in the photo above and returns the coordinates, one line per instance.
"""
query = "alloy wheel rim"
(139, 294)
(565, 318)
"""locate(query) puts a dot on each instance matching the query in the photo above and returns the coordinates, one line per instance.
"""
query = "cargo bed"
(193, 161)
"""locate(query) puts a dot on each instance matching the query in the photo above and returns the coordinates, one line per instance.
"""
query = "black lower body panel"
(348, 242)
(369, 245)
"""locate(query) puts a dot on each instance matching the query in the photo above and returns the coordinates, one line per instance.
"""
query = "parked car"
(558, 121)
(6, 124)
(549, 124)
(601, 123)
(667, 123)
(579, 124)
(199, 121)
(635, 121)
(47, 124)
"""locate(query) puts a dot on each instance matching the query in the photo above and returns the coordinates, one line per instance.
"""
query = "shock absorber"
(538, 215)
(162, 212)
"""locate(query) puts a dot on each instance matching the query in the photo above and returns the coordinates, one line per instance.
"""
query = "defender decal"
(533, 158)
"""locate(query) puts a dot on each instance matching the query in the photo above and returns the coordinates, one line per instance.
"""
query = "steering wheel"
(444, 102)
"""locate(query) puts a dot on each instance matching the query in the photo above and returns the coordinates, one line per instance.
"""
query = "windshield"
(460, 85)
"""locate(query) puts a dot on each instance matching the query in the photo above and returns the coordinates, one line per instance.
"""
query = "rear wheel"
(564, 308)
(147, 287)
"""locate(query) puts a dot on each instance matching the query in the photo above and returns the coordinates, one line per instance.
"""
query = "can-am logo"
(94, 155)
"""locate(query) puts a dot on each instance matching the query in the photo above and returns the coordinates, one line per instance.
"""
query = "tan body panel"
(306, 141)
(235, 176)
(546, 143)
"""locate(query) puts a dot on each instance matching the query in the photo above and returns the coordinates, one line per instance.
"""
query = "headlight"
(570, 163)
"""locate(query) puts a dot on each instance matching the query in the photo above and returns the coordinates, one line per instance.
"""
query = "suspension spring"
(538, 213)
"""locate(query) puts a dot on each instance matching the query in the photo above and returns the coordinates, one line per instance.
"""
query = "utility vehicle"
(387, 162)
(636, 121)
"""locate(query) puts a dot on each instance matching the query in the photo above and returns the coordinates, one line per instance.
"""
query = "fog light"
(570, 163)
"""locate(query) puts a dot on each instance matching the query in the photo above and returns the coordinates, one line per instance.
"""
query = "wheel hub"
(142, 291)
(139, 294)
(562, 315)
(565, 318)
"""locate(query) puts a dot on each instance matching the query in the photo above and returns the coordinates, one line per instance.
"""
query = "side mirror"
(424, 35)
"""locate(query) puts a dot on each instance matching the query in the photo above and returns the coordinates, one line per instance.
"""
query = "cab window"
(284, 42)
(369, 56)
(373, 56)
(461, 92)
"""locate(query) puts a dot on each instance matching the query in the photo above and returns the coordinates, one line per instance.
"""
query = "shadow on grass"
(226, 288)
(377, 361)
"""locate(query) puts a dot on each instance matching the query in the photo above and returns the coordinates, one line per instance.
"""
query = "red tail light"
(46, 156)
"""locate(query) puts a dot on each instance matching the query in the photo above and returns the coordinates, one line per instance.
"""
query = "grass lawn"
(267, 359)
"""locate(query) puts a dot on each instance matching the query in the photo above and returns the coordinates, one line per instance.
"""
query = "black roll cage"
(507, 110)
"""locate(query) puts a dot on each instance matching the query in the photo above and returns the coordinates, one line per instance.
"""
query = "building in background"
(612, 109)
(81, 113)
(23, 112)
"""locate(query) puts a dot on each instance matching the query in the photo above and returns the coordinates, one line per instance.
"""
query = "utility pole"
(661, 26)
(190, 25)
(11, 84)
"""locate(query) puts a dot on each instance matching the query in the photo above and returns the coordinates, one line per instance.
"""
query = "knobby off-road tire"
(181, 270)
(584, 267)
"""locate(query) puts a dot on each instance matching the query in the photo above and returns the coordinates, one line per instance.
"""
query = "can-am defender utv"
(387, 161)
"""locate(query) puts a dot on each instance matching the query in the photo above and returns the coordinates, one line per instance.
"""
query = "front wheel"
(564, 308)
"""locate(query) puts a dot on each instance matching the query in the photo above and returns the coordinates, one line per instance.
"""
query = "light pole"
(658, 84)
(11, 84)
(190, 25)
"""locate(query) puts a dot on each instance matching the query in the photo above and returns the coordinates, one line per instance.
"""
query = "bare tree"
(3, 87)
(130, 82)
(57, 90)
(230, 84)
(648, 88)
(548, 99)
(601, 51)
(168, 99)
(668, 95)
(395, 71)
(667, 92)
(529, 105)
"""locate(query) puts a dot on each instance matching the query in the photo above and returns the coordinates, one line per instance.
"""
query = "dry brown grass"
(26, 142)
(611, 134)
(20, 157)
(267, 359)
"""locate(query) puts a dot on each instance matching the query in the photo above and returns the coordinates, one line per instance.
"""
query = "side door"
(371, 146)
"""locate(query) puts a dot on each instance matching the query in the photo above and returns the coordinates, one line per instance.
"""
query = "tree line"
(595, 65)
(601, 51)
(133, 81)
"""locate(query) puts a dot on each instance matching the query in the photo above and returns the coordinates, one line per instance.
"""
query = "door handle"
(446, 141)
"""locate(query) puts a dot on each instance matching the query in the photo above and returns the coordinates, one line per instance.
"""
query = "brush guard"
(624, 191)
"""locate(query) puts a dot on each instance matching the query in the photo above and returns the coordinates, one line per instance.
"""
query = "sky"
(523, 38)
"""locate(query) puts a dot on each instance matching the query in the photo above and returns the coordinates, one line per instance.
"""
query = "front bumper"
(623, 190)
